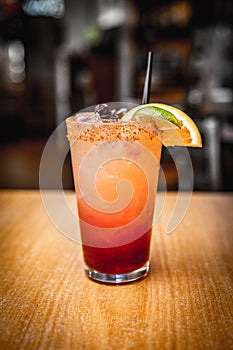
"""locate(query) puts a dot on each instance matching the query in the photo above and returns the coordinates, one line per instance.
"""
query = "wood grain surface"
(46, 302)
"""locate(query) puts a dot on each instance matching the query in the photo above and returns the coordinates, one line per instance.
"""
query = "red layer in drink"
(121, 259)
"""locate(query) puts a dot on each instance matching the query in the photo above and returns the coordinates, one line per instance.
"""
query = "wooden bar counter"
(46, 301)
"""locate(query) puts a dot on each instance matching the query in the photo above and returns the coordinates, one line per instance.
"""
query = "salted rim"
(130, 131)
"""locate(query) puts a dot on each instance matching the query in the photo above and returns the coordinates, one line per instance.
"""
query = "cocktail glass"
(115, 168)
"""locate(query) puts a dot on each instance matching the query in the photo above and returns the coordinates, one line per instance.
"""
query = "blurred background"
(57, 57)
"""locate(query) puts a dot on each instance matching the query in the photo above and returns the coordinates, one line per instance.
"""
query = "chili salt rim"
(105, 132)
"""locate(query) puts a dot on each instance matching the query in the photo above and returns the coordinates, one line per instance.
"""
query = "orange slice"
(171, 126)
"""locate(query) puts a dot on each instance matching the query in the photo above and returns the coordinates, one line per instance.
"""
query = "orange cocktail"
(115, 167)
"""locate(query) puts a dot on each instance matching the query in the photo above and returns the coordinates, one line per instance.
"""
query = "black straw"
(147, 84)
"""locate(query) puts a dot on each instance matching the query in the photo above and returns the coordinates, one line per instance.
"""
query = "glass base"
(118, 278)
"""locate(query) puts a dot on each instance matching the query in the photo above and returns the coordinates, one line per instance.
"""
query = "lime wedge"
(160, 117)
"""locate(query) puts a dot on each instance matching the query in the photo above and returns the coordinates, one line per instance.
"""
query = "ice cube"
(103, 111)
(121, 112)
(88, 117)
(108, 115)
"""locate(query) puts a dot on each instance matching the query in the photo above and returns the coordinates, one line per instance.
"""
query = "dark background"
(55, 60)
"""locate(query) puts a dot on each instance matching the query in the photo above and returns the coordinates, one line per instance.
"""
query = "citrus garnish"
(171, 126)
(158, 114)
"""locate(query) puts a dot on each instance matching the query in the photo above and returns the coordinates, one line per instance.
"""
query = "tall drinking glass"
(115, 168)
